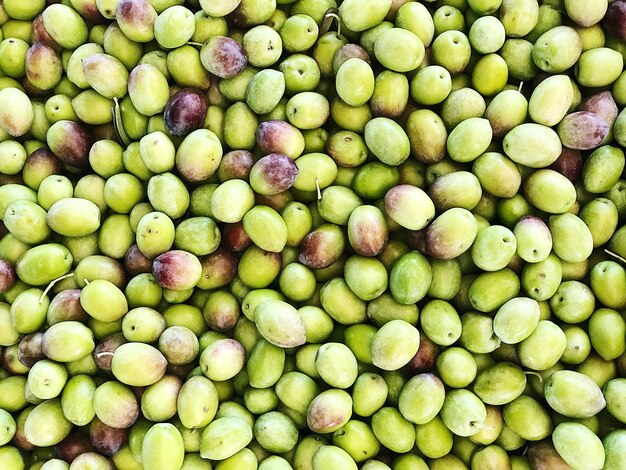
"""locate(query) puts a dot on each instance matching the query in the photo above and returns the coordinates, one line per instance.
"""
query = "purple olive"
(185, 111)
(7, 275)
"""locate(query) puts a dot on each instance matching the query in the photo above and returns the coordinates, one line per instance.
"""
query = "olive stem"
(615, 255)
(191, 43)
(52, 283)
(519, 89)
(118, 125)
(319, 192)
(331, 14)
(528, 372)
(103, 353)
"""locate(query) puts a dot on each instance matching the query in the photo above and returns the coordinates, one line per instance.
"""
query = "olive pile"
(312, 234)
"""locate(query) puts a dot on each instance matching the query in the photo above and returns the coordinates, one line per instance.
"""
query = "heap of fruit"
(312, 234)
